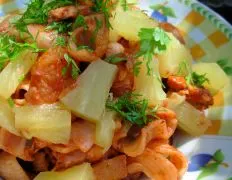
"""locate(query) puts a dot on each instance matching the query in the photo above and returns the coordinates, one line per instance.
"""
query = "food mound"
(95, 89)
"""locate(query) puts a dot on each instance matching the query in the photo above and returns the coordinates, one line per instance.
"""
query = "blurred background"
(222, 7)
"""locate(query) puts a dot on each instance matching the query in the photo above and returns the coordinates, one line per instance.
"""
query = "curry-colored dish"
(95, 89)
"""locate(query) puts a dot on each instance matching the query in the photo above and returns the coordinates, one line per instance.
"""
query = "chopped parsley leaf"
(98, 27)
(37, 12)
(60, 27)
(60, 41)
(80, 22)
(152, 41)
(75, 71)
(101, 6)
(10, 102)
(133, 109)
(10, 49)
(114, 59)
(84, 47)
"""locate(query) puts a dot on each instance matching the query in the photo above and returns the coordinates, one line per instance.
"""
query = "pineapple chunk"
(46, 122)
(128, 23)
(217, 77)
(88, 99)
(149, 86)
(80, 172)
(7, 120)
(189, 118)
(11, 74)
(170, 60)
(105, 130)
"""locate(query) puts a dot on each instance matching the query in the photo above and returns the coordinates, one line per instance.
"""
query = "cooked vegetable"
(213, 72)
(10, 168)
(128, 23)
(105, 130)
(88, 99)
(152, 41)
(7, 117)
(189, 118)
(80, 172)
(170, 60)
(11, 74)
(47, 122)
(150, 87)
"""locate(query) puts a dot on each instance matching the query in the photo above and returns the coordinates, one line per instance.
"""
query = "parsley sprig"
(132, 108)
(192, 78)
(165, 10)
(37, 12)
(115, 58)
(152, 41)
(102, 6)
(75, 71)
(10, 49)
(60, 27)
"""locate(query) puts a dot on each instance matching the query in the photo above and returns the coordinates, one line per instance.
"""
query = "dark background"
(222, 7)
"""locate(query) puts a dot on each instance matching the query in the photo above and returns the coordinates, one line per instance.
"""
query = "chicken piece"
(47, 81)
(96, 37)
(68, 12)
(176, 83)
(199, 97)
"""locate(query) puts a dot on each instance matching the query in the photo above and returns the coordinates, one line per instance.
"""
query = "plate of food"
(114, 90)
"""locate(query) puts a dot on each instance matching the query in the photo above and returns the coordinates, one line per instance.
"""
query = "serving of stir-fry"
(95, 89)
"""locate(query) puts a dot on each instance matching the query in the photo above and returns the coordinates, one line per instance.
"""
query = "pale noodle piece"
(15, 145)
(176, 157)
(154, 165)
(111, 169)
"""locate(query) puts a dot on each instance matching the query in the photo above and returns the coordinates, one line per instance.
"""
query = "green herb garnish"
(60, 27)
(10, 49)
(152, 41)
(114, 59)
(84, 47)
(101, 6)
(124, 5)
(37, 12)
(60, 41)
(10, 102)
(223, 63)
(98, 27)
(192, 78)
(133, 109)
(75, 71)
(80, 22)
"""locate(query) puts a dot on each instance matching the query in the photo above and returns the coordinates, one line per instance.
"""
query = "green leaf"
(75, 71)
(229, 178)
(152, 41)
(60, 41)
(228, 70)
(218, 156)
(80, 22)
(84, 47)
(114, 59)
(124, 5)
(208, 170)
(60, 27)
(11, 102)
(132, 108)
